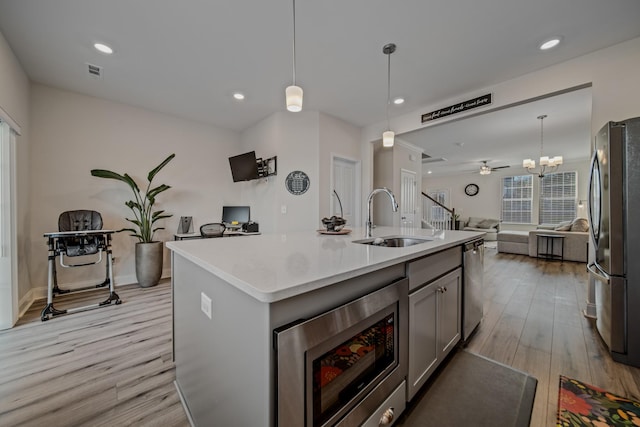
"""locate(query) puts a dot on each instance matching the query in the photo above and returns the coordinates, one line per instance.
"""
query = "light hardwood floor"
(533, 321)
(112, 366)
(105, 367)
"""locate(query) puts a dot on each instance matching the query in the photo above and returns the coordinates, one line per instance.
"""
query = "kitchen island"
(229, 295)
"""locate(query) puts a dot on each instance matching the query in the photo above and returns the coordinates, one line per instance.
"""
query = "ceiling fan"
(486, 169)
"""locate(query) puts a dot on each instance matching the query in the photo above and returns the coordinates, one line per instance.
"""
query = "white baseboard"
(27, 300)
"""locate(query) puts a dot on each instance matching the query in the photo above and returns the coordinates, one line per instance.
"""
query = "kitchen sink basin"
(394, 241)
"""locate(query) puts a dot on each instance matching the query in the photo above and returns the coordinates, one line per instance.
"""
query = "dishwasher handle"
(473, 246)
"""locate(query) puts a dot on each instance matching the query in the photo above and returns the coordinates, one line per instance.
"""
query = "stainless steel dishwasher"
(473, 264)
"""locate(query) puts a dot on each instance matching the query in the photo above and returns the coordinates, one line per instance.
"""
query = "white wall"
(302, 141)
(613, 73)
(14, 100)
(388, 164)
(341, 139)
(487, 203)
(73, 133)
(294, 138)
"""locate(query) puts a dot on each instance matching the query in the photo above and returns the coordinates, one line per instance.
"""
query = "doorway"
(408, 198)
(8, 261)
(345, 189)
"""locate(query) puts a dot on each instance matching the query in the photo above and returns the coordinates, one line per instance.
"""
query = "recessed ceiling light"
(551, 43)
(101, 47)
(398, 101)
(239, 96)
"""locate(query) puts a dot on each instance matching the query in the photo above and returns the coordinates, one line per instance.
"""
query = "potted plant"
(456, 221)
(148, 251)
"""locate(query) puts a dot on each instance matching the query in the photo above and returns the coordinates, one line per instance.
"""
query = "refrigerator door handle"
(593, 269)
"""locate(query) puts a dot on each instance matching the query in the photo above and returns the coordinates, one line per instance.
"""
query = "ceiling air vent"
(95, 71)
(427, 159)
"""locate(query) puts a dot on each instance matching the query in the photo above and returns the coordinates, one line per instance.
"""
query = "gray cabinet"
(434, 319)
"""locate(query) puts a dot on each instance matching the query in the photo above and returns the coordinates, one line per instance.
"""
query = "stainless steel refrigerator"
(614, 213)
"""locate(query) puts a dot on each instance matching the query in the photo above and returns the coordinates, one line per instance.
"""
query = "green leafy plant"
(142, 205)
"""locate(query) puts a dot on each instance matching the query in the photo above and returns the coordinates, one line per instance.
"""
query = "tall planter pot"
(149, 263)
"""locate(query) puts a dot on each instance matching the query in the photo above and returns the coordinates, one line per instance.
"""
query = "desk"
(548, 251)
(55, 248)
(227, 233)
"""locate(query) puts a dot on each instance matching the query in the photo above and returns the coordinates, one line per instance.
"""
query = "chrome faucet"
(394, 206)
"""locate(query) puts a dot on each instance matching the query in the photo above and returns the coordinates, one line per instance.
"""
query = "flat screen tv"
(244, 167)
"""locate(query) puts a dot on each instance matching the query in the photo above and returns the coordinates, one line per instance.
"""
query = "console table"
(547, 250)
(227, 233)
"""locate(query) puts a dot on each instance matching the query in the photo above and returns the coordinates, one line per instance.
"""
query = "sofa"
(485, 225)
(575, 241)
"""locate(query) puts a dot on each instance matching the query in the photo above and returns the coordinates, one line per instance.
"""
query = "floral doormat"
(581, 404)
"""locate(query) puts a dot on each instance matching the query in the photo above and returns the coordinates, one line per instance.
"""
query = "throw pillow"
(563, 226)
(580, 224)
(488, 223)
(473, 222)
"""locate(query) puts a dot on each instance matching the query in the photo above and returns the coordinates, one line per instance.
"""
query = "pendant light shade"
(294, 98)
(388, 136)
(293, 93)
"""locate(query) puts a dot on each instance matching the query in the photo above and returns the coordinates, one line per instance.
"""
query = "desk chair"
(213, 229)
(79, 234)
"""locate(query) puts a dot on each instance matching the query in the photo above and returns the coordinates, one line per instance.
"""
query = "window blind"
(517, 199)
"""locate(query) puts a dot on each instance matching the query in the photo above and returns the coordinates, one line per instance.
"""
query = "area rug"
(470, 390)
(581, 404)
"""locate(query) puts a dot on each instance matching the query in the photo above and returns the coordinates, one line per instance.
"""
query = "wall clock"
(297, 183)
(471, 190)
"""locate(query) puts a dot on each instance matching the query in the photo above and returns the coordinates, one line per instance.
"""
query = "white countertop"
(273, 267)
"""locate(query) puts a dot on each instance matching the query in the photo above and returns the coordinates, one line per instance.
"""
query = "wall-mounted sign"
(297, 182)
(480, 101)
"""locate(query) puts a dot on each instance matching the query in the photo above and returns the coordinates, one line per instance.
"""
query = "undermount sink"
(394, 241)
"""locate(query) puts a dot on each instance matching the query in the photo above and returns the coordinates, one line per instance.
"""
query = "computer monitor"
(235, 214)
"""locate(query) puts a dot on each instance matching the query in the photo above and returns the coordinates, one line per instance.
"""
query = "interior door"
(344, 194)
(408, 198)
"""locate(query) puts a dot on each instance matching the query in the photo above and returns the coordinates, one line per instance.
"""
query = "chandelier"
(547, 164)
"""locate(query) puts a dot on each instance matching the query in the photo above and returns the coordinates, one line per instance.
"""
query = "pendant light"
(547, 164)
(293, 93)
(388, 136)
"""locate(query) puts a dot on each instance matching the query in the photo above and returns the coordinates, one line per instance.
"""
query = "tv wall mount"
(267, 167)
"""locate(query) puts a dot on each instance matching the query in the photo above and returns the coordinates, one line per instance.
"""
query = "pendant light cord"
(388, 87)
(294, 42)
(542, 134)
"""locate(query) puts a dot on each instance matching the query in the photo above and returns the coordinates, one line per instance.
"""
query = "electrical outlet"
(205, 304)
(283, 209)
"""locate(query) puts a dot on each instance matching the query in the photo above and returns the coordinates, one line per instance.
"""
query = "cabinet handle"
(386, 418)
(445, 289)
(441, 290)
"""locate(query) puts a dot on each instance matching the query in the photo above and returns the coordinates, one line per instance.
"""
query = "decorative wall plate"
(471, 190)
(297, 183)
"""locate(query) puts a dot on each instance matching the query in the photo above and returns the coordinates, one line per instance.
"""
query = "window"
(558, 197)
(517, 199)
